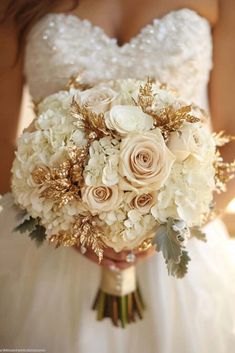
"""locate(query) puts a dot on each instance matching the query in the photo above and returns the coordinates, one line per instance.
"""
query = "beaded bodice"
(176, 49)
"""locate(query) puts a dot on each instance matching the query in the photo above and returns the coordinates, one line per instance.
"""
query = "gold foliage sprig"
(224, 172)
(222, 139)
(145, 97)
(76, 83)
(168, 119)
(91, 123)
(85, 232)
(62, 183)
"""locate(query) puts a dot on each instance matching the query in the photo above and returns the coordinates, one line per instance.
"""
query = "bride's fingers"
(122, 256)
(108, 262)
(118, 261)
(139, 257)
(145, 254)
(117, 256)
(94, 258)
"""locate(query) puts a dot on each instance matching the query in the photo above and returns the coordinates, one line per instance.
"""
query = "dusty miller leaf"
(38, 234)
(24, 222)
(180, 269)
(167, 241)
(27, 226)
(198, 233)
(32, 227)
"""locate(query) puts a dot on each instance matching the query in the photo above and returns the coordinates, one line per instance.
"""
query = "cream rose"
(98, 99)
(143, 203)
(145, 160)
(128, 118)
(101, 198)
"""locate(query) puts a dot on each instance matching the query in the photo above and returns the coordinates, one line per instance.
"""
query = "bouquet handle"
(119, 297)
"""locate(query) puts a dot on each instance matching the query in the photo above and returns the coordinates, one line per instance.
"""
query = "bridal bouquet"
(125, 164)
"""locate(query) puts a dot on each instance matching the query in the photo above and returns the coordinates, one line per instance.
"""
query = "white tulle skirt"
(46, 296)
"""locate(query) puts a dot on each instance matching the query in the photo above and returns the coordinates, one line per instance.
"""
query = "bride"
(46, 294)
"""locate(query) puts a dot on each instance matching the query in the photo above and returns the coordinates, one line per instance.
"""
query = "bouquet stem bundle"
(122, 302)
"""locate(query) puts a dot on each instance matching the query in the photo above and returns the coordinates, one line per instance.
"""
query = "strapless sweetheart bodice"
(175, 49)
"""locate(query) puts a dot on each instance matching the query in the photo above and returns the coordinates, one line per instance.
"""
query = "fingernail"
(83, 250)
(113, 268)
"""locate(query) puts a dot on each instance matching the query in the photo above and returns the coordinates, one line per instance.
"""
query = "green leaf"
(167, 241)
(28, 225)
(198, 233)
(38, 234)
(32, 227)
(180, 269)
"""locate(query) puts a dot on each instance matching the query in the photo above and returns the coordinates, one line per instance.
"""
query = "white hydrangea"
(128, 91)
(112, 217)
(58, 102)
(102, 167)
(137, 226)
(188, 192)
(46, 146)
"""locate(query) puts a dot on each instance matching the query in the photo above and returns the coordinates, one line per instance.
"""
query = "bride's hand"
(115, 260)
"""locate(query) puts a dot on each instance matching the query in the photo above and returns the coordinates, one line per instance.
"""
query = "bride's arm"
(11, 83)
(222, 88)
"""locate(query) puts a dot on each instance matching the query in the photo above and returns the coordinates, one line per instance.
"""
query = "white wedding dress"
(46, 294)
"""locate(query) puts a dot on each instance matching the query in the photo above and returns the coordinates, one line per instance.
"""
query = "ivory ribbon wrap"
(118, 283)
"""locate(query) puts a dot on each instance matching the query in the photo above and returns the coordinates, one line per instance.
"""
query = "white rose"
(191, 139)
(163, 98)
(145, 161)
(98, 99)
(101, 198)
(127, 118)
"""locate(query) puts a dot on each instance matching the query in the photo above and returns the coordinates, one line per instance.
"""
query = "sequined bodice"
(175, 49)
